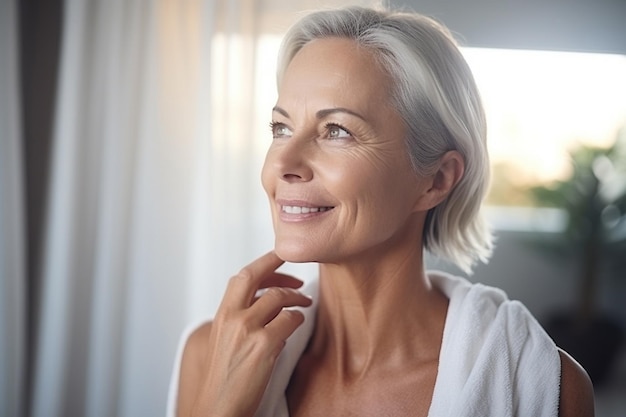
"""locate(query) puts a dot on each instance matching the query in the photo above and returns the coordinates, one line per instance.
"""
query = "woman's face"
(337, 173)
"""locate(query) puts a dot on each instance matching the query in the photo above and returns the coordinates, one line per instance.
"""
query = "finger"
(242, 287)
(278, 279)
(283, 326)
(273, 301)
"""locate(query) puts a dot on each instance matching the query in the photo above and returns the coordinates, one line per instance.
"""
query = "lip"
(299, 210)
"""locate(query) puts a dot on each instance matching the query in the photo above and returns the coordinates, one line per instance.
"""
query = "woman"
(378, 153)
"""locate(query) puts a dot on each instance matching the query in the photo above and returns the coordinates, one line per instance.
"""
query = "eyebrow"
(323, 113)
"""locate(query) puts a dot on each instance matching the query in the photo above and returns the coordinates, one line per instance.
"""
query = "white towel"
(495, 358)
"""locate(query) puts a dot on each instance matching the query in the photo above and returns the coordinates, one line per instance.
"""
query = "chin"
(293, 256)
(294, 253)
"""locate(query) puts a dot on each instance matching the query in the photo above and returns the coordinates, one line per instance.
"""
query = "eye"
(336, 131)
(280, 130)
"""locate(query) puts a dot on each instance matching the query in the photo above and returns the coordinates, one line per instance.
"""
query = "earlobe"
(448, 175)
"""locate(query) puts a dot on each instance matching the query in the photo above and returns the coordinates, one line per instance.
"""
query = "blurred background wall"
(131, 137)
(559, 25)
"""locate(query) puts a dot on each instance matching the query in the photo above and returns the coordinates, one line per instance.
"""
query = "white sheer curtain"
(131, 134)
(155, 200)
(12, 257)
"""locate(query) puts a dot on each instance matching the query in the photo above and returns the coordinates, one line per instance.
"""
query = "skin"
(338, 150)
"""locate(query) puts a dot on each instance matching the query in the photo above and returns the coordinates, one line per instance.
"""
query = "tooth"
(304, 210)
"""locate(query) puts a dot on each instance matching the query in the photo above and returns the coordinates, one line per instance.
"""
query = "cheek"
(370, 175)
(343, 176)
(387, 188)
(361, 188)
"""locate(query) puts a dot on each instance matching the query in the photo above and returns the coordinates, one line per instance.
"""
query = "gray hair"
(436, 95)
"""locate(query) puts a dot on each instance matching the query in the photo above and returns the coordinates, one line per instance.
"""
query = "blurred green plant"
(594, 199)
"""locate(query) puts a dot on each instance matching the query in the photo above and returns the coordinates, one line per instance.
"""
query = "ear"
(446, 177)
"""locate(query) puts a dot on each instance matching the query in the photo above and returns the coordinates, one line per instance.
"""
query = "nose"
(292, 160)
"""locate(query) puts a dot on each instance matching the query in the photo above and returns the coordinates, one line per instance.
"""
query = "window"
(541, 104)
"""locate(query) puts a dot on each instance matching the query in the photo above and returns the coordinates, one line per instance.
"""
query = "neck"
(378, 311)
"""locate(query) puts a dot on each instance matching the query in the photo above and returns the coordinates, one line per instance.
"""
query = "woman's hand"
(238, 352)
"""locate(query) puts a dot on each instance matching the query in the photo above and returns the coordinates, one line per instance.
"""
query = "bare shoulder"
(192, 368)
(576, 389)
(197, 342)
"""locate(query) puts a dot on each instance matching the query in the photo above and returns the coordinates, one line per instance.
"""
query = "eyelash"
(330, 125)
(274, 125)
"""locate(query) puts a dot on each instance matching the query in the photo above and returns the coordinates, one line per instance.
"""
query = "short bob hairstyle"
(436, 96)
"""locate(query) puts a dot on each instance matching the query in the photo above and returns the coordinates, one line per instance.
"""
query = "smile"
(303, 210)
